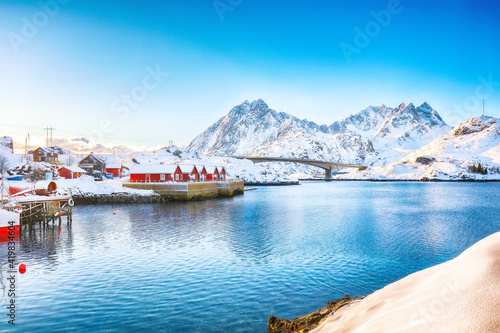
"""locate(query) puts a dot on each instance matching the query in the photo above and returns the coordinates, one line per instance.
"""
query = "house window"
(162, 177)
(177, 177)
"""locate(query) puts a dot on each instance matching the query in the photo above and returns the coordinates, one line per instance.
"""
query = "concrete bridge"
(327, 166)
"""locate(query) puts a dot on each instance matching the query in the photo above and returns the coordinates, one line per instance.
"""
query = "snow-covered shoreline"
(460, 295)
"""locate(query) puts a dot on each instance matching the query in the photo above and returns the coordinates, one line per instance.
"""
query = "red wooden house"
(71, 172)
(202, 172)
(155, 173)
(212, 173)
(115, 168)
(222, 173)
(189, 173)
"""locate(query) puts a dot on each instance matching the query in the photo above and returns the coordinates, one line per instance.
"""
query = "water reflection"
(226, 265)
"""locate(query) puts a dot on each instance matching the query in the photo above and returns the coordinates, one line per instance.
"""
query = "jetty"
(192, 190)
(40, 202)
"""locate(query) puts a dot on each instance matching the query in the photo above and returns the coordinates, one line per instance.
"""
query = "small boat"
(9, 224)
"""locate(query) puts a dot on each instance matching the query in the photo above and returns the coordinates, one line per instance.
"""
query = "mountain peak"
(425, 106)
(403, 106)
(259, 103)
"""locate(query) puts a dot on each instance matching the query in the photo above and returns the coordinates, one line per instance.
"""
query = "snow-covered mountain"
(453, 156)
(247, 126)
(375, 136)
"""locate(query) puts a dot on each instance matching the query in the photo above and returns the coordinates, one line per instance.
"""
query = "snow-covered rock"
(6, 142)
(452, 156)
(394, 132)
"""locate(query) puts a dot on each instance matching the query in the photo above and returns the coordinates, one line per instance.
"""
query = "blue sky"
(84, 56)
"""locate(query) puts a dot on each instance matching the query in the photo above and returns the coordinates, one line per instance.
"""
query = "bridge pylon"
(328, 174)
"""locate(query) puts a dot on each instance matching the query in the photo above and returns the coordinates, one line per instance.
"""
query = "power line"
(80, 134)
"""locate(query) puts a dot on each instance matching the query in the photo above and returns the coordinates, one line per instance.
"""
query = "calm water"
(226, 265)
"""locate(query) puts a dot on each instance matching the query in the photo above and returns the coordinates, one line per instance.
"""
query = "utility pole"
(49, 129)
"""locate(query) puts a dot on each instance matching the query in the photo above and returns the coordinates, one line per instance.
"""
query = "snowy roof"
(200, 168)
(73, 168)
(113, 166)
(186, 168)
(220, 168)
(45, 149)
(97, 158)
(153, 168)
(210, 169)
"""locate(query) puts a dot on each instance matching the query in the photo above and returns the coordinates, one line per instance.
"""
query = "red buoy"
(22, 268)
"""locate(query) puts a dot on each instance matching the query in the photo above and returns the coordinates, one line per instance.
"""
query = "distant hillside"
(455, 155)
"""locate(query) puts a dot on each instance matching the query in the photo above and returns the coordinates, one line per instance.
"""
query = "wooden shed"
(115, 168)
(71, 172)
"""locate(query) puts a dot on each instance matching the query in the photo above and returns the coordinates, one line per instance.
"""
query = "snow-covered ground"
(87, 185)
(461, 295)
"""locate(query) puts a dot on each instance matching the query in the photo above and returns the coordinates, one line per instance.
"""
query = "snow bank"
(87, 185)
(11, 158)
(461, 295)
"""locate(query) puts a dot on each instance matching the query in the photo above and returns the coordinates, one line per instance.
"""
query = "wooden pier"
(36, 208)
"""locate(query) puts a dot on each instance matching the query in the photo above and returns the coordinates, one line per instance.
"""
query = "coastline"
(418, 180)
(272, 183)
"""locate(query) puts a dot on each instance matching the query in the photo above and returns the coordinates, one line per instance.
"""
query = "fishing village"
(32, 191)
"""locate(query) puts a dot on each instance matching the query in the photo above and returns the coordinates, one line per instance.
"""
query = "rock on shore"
(127, 198)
